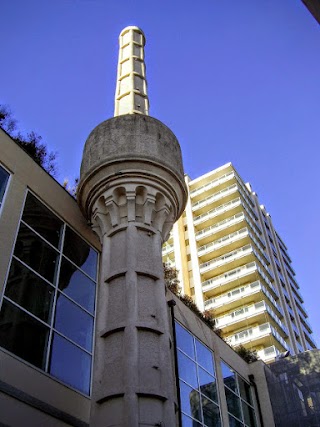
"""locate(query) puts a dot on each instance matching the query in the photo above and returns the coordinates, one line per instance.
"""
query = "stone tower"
(132, 190)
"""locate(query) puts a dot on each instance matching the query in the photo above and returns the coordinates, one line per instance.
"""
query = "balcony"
(260, 335)
(241, 315)
(167, 249)
(212, 184)
(250, 292)
(214, 197)
(223, 241)
(217, 211)
(310, 342)
(226, 258)
(221, 225)
(268, 354)
(306, 324)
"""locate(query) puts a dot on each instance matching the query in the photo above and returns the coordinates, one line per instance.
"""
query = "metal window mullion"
(75, 302)
(32, 270)
(57, 277)
(26, 311)
(79, 268)
(71, 341)
(39, 235)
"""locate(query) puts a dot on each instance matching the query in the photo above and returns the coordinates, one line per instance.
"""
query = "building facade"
(232, 262)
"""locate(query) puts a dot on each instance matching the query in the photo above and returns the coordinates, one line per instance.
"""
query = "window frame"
(50, 324)
(2, 201)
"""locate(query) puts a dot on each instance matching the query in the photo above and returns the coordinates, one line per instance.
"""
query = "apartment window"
(4, 178)
(48, 307)
(239, 398)
(198, 389)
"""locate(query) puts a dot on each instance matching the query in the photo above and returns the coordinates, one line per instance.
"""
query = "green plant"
(248, 355)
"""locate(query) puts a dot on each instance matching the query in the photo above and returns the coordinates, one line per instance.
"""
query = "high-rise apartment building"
(232, 262)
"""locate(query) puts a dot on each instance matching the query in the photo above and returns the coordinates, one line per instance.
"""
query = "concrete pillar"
(132, 190)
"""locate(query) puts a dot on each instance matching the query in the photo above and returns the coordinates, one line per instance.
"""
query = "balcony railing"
(220, 225)
(217, 211)
(216, 196)
(228, 257)
(167, 249)
(225, 240)
(268, 353)
(212, 184)
(249, 311)
(241, 291)
(255, 333)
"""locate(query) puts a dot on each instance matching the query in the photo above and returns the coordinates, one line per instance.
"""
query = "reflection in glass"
(187, 370)
(248, 414)
(41, 219)
(245, 390)
(185, 341)
(204, 357)
(77, 285)
(70, 364)
(23, 335)
(190, 401)
(35, 252)
(208, 385)
(211, 413)
(234, 423)
(29, 291)
(229, 377)
(4, 177)
(233, 403)
(79, 252)
(73, 322)
(188, 422)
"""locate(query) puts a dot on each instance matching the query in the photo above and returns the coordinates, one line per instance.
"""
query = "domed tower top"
(131, 92)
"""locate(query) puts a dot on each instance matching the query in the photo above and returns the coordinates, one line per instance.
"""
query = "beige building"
(232, 262)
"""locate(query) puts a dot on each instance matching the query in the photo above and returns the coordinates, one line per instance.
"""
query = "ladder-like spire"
(131, 91)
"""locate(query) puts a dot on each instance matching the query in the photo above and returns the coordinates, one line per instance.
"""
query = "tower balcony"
(310, 341)
(251, 292)
(231, 223)
(167, 249)
(202, 204)
(269, 353)
(306, 324)
(257, 336)
(221, 210)
(212, 184)
(258, 313)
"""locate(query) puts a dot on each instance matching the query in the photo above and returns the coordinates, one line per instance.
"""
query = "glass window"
(229, 377)
(30, 291)
(4, 178)
(73, 322)
(190, 401)
(233, 403)
(79, 252)
(42, 220)
(248, 415)
(77, 285)
(187, 370)
(245, 390)
(70, 364)
(198, 387)
(185, 341)
(234, 423)
(23, 335)
(35, 252)
(41, 281)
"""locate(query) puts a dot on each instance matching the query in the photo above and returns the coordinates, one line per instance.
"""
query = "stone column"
(132, 190)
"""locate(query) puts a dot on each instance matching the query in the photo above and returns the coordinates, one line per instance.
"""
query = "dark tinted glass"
(211, 413)
(77, 285)
(229, 377)
(41, 219)
(35, 252)
(27, 289)
(80, 253)
(23, 335)
(234, 423)
(4, 176)
(245, 390)
(185, 341)
(70, 364)
(233, 403)
(73, 322)
(207, 385)
(187, 370)
(190, 401)
(248, 414)
(204, 357)
(188, 422)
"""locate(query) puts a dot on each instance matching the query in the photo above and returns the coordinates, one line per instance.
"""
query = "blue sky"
(235, 81)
